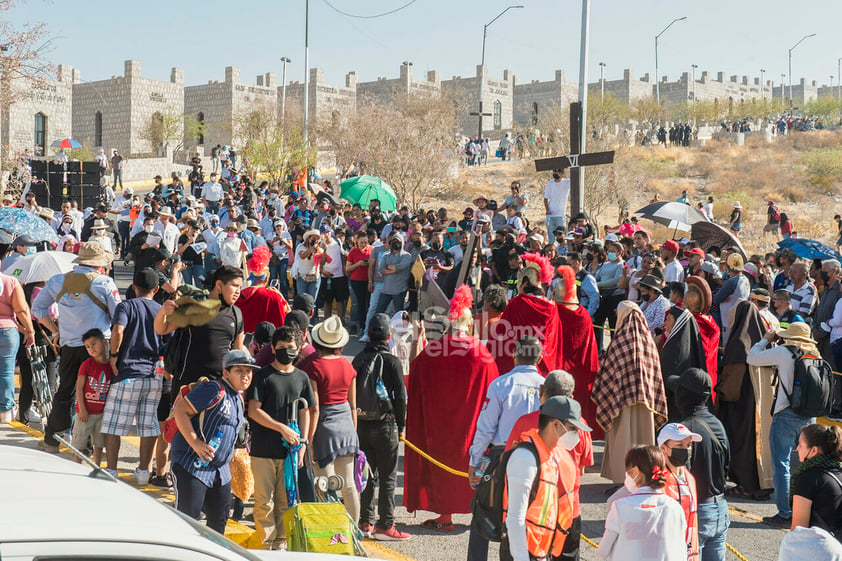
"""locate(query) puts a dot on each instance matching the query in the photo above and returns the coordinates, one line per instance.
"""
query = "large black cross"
(480, 114)
(575, 161)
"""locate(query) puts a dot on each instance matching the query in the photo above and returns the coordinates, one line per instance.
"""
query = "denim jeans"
(360, 290)
(713, 530)
(379, 441)
(384, 299)
(9, 342)
(125, 229)
(304, 287)
(279, 272)
(783, 435)
(372, 306)
(118, 176)
(554, 222)
(478, 545)
(210, 265)
(194, 275)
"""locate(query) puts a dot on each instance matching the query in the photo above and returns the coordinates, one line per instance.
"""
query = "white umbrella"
(41, 266)
(673, 215)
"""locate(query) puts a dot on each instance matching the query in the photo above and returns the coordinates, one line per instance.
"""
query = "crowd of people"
(502, 333)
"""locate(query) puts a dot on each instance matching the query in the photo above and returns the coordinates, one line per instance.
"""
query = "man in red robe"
(529, 313)
(258, 302)
(448, 382)
(580, 355)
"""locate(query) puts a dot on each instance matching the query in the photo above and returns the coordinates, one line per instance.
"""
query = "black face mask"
(825, 276)
(396, 246)
(285, 355)
(556, 176)
(679, 456)
(436, 245)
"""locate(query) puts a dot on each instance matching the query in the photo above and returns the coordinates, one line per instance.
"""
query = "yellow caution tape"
(434, 461)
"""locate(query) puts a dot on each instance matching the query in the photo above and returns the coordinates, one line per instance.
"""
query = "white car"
(55, 509)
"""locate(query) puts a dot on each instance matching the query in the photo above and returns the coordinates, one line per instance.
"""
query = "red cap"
(696, 251)
(671, 245)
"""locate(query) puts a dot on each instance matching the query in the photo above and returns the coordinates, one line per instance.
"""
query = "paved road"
(754, 540)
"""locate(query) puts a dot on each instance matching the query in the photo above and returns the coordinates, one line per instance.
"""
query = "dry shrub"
(816, 139)
(823, 168)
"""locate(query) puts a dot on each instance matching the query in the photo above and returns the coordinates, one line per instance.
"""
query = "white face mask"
(630, 483)
(569, 440)
(148, 229)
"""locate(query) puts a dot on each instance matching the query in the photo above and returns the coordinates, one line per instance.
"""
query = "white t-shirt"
(557, 192)
(673, 271)
(332, 260)
(212, 191)
(708, 207)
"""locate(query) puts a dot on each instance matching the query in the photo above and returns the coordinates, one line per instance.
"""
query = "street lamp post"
(694, 67)
(790, 67)
(482, 64)
(306, 73)
(657, 77)
(602, 81)
(285, 60)
(783, 87)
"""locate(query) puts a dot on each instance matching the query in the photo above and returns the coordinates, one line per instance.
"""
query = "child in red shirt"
(92, 384)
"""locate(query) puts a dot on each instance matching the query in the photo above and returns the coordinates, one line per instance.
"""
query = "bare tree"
(409, 143)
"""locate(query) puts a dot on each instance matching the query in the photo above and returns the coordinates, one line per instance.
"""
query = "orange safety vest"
(542, 512)
(686, 496)
(134, 212)
(567, 473)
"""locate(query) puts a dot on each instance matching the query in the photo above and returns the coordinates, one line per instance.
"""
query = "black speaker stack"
(54, 183)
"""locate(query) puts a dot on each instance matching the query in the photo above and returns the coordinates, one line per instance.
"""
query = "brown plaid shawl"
(630, 373)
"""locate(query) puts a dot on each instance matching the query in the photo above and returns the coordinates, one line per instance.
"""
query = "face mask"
(396, 246)
(556, 176)
(285, 355)
(30, 250)
(629, 483)
(232, 234)
(679, 456)
(612, 256)
(273, 196)
(436, 245)
(148, 229)
(825, 276)
(451, 230)
(569, 440)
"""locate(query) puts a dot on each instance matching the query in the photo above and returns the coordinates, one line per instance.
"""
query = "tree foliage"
(163, 129)
(825, 106)
(646, 110)
(274, 150)
(410, 143)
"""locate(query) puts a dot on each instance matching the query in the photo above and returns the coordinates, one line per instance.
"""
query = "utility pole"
(762, 84)
(658, 78)
(694, 66)
(306, 74)
(285, 60)
(790, 67)
(602, 81)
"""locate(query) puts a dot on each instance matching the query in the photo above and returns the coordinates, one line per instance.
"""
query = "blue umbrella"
(809, 249)
(18, 221)
(291, 465)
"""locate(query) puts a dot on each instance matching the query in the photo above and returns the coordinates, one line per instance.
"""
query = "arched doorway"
(40, 136)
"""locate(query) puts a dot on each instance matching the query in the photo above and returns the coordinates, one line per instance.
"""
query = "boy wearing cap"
(201, 473)
(135, 389)
(675, 441)
(534, 527)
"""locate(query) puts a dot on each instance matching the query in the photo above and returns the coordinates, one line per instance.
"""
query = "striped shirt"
(225, 417)
(803, 298)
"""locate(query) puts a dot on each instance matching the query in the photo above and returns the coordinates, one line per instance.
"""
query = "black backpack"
(487, 504)
(370, 406)
(812, 383)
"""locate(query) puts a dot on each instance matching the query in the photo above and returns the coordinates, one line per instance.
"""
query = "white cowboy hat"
(330, 333)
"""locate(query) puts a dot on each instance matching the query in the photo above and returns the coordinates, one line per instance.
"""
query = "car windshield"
(219, 539)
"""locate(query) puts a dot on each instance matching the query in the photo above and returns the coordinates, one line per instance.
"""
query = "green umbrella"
(364, 188)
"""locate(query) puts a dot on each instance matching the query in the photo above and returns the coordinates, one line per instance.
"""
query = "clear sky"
(733, 36)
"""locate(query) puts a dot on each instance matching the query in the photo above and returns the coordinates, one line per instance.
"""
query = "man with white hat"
(786, 423)
(87, 298)
(166, 229)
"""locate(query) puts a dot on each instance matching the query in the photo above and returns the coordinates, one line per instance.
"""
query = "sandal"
(433, 525)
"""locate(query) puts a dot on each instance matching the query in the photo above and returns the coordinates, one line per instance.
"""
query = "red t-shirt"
(97, 382)
(261, 304)
(356, 255)
(333, 376)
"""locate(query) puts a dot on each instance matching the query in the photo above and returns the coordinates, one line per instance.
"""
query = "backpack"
(370, 406)
(811, 385)
(170, 426)
(776, 213)
(487, 505)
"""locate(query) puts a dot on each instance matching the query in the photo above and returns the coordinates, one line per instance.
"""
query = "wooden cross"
(480, 114)
(575, 161)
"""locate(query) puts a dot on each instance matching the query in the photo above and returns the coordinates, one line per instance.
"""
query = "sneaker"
(161, 481)
(141, 476)
(364, 339)
(112, 472)
(392, 534)
(778, 521)
(367, 529)
(6, 417)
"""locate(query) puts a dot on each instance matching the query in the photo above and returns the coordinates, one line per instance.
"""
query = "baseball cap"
(565, 409)
(483, 219)
(676, 431)
(24, 240)
(469, 211)
(238, 357)
(611, 237)
(709, 267)
(303, 302)
(299, 319)
(263, 332)
(696, 251)
(671, 245)
(695, 380)
(146, 279)
(379, 327)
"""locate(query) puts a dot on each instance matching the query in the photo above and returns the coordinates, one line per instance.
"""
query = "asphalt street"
(754, 540)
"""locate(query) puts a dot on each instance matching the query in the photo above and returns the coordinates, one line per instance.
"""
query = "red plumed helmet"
(259, 259)
(541, 265)
(568, 280)
(463, 299)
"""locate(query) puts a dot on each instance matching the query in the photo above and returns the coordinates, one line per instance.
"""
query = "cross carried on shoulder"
(575, 161)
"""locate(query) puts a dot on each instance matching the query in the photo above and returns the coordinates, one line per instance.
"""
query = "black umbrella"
(709, 234)
(678, 216)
